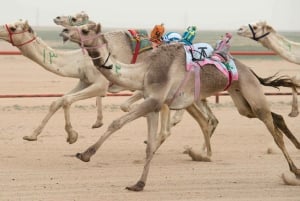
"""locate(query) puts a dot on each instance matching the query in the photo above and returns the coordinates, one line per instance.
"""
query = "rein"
(254, 34)
(83, 47)
(10, 33)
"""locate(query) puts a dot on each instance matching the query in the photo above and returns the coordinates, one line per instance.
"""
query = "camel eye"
(74, 19)
(12, 29)
(255, 27)
(85, 32)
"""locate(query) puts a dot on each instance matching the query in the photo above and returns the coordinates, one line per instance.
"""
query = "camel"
(267, 36)
(126, 56)
(118, 39)
(63, 63)
(91, 82)
(160, 77)
(73, 20)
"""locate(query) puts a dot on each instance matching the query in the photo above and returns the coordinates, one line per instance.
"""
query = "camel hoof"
(294, 114)
(196, 156)
(30, 138)
(139, 186)
(82, 158)
(73, 138)
(125, 108)
(288, 180)
(97, 125)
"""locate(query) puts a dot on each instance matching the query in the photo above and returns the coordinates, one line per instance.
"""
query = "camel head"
(72, 20)
(84, 35)
(18, 33)
(256, 31)
(88, 37)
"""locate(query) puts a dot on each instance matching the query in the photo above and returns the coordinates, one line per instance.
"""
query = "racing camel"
(160, 77)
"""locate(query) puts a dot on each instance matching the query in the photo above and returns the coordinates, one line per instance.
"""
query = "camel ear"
(98, 28)
(85, 15)
(269, 28)
(26, 25)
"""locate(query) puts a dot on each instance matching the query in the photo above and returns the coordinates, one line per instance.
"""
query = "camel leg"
(87, 92)
(165, 129)
(294, 112)
(126, 106)
(280, 123)
(152, 122)
(201, 119)
(258, 107)
(139, 111)
(211, 118)
(177, 117)
(99, 120)
(205, 110)
(54, 107)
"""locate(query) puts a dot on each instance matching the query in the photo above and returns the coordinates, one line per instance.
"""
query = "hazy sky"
(206, 15)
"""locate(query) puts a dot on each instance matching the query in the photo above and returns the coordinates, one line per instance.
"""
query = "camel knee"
(55, 105)
(115, 125)
(66, 102)
(245, 112)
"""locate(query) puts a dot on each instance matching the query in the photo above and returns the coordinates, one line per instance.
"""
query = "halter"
(104, 66)
(10, 33)
(82, 40)
(94, 47)
(253, 34)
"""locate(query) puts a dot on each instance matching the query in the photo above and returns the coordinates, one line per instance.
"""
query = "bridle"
(254, 34)
(83, 47)
(10, 33)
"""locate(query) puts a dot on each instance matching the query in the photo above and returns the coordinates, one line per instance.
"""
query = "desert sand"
(46, 170)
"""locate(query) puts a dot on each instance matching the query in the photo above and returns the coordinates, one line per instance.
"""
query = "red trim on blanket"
(137, 47)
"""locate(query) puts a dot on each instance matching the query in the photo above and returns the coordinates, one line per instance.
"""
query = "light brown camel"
(92, 83)
(63, 63)
(78, 19)
(265, 34)
(160, 77)
(126, 56)
(118, 39)
(82, 18)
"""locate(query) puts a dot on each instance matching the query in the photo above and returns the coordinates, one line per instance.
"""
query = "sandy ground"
(46, 170)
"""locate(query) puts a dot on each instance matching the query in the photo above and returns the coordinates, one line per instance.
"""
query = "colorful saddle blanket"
(197, 56)
(141, 38)
(197, 52)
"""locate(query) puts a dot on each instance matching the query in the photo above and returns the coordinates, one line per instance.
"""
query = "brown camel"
(160, 77)
(125, 55)
(118, 39)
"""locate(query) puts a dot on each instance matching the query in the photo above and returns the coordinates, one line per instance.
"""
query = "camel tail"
(280, 123)
(276, 82)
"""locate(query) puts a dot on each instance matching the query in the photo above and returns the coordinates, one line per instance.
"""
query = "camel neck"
(129, 76)
(63, 63)
(285, 48)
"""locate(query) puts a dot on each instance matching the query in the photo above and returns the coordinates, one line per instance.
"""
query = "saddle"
(139, 42)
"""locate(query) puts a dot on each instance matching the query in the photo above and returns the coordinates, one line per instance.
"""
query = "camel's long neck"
(129, 76)
(58, 62)
(287, 49)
